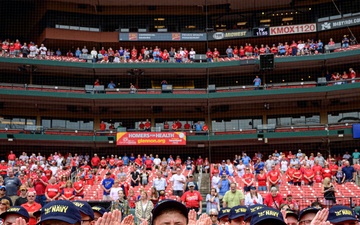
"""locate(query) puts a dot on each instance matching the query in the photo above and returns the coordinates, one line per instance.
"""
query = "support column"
(97, 122)
(323, 117)
(38, 120)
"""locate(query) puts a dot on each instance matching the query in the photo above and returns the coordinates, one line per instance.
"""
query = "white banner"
(293, 29)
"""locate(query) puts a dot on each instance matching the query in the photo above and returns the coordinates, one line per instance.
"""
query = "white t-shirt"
(114, 193)
(192, 54)
(284, 165)
(215, 182)
(251, 201)
(157, 161)
(43, 50)
(178, 186)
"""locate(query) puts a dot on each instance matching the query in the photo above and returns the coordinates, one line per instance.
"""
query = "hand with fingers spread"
(321, 217)
(20, 221)
(129, 220)
(192, 217)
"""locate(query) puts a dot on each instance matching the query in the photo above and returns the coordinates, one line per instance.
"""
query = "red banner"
(151, 138)
(293, 29)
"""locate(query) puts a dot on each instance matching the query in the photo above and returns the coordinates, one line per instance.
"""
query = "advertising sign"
(150, 138)
(261, 31)
(232, 34)
(162, 36)
(339, 23)
(293, 29)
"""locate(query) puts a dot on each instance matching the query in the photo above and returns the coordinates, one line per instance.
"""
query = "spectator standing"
(23, 196)
(31, 206)
(328, 190)
(106, 185)
(233, 197)
(320, 159)
(178, 181)
(355, 156)
(223, 185)
(273, 199)
(212, 201)
(143, 209)
(229, 52)
(273, 176)
(121, 204)
(135, 177)
(52, 190)
(3, 195)
(257, 83)
(159, 182)
(248, 180)
(253, 197)
(191, 179)
(345, 42)
(115, 190)
(12, 185)
(192, 199)
(215, 181)
(262, 178)
(40, 184)
(349, 172)
(68, 193)
(11, 158)
(3, 169)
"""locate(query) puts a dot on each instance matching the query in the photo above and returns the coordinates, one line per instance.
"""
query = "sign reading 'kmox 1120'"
(293, 29)
(151, 138)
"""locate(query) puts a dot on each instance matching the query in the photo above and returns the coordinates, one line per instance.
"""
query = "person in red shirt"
(148, 163)
(138, 161)
(79, 187)
(165, 56)
(187, 126)
(352, 75)
(62, 182)
(273, 176)
(11, 158)
(308, 176)
(124, 185)
(48, 172)
(216, 55)
(178, 161)
(205, 127)
(293, 48)
(131, 198)
(318, 177)
(273, 199)
(3, 169)
(166, 125)
(52, 190)
(40, 183)
(174, 126)
(112, 162)
(297, 176)
(178, 124)
(262, 50)
(133, 53)
(291, 203)
(120, 162)
(89, 178)
(103, 163)
(289, 174)
(215, 170)
(192, 199)
(31, 206)
(95, 161)
(262, 178)
(85, 167)
(316, 167)
(147, 125)
(241, 52)
(102, 126)
(333, 167)
(248, 179)
(249, 51)
(209, 55)
(199, 164)
(326, 172)
(68, 193)
(141, 125)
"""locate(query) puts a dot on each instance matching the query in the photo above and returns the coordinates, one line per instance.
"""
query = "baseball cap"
(3, 187)
(252, 209)
(169, 204)
(191, 184)
(191, 175)
(108, 173)
(18, 210)
(267, 214)
(61, 210)
(85, 208)
(341, 213)
(291, 213)
(237, 211)
(223, 212)
(306, 211)
(99, 209)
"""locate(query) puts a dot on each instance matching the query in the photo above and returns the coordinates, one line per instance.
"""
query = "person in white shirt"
(157, 162)
(115, 190)
(192, 54)
(284, 165)
(215, 181)
(84, 50)
(252, 197)
(42, 50)
(178, 181)
(159, 182)
(94, 54)
(241, 168)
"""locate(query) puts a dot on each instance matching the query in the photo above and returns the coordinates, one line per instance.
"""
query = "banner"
(162, 36)
(293, 29)
(339, 23)
(151, 138)
(231, 34)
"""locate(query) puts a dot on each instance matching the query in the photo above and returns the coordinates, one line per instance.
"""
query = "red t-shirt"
(95, 161)
(52, 190)
(326, 172)
(68, 192)
(39, 186)
(298, 174)
(178, 124)
(178, 162)
(273, 202)
(48, 174)
(78, 185)
(174, 126)
(31, 208)
(90, 179)
(166, 126)
(112, 161)
(209, 54)
(248, 177)
(318, 178)
(138, 161)
(199, 161)
(308, 173)
(191, 199)
(290, 173)
(317, 168)
(11, 157)
(148, 163)
(261, 179)
(273, 175)
(147, 125)
(141, 126)
(333, 169)
(103, 163)
(3, 169)
(187, 126)
(120, 163)
(216, 54)
(125, 187)
(102, 126)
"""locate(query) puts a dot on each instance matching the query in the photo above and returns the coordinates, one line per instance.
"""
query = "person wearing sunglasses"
(213, 213)
(31, 206)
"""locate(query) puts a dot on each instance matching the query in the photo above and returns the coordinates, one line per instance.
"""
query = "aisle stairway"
(203, 180)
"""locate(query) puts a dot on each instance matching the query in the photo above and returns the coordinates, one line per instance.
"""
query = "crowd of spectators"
(156, 54)
(36, 181)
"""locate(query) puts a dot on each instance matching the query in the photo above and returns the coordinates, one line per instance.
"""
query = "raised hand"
(19, 221)
(321, 217)
(129, 220)
(192, 217)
